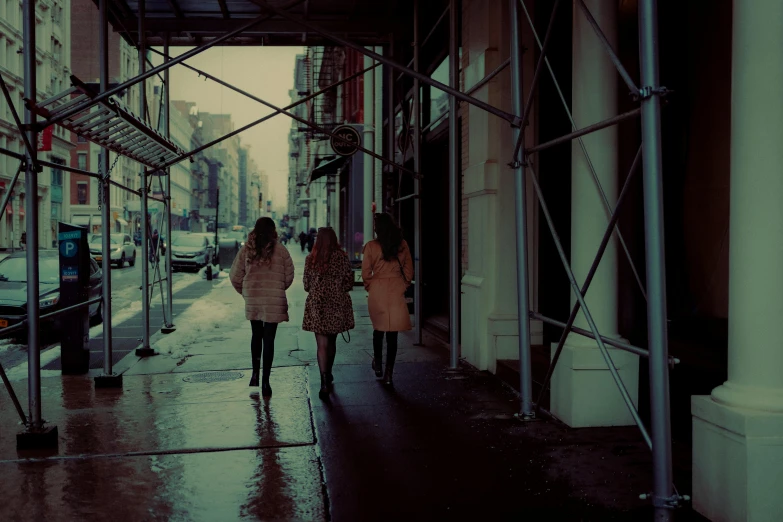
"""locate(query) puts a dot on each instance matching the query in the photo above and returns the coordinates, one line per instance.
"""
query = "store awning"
(122, 222)
(81, 220)
(328, 168)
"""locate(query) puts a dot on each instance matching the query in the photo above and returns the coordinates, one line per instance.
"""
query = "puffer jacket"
(263, 285)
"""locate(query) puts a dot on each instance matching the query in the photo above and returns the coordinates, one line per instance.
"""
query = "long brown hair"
(262, 240)
(325, 245)
(389, 236)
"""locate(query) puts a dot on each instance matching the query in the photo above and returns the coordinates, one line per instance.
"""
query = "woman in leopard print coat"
(328, 279)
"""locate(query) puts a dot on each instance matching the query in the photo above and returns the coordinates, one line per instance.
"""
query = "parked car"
(13, 288)
(215, 247)
(191, 251)
(122, 249)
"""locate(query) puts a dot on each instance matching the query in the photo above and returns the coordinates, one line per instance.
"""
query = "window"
(81, 139)
(81, 192)
(57, 174)
(82, 161)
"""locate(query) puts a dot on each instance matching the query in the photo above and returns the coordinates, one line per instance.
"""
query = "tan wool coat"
(263, 285)
(386, 287)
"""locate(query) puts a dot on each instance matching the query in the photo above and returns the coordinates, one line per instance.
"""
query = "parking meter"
(74, 289)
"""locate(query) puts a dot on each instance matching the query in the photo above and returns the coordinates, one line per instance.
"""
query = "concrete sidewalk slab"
(257, 484)
(440, 445)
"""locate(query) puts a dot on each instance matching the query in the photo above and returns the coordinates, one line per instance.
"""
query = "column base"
(737, 462)
(38, 439)
(108, 381)
(583, 392)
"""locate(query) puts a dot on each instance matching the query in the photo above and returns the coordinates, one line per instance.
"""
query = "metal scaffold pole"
(663, 498)
(31, 219)
(145, 349)
(454, 192)
(106, 379)
(523, 307)
(416, 182)
(169, 326)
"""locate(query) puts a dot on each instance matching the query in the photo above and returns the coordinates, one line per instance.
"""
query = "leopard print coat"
(328, 309)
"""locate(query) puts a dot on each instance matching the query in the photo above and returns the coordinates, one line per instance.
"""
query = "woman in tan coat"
(262, 272)
(387, 270)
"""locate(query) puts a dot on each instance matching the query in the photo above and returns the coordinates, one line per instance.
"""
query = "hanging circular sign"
(351, 137)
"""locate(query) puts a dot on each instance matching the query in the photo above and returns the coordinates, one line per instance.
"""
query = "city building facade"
(53, 49)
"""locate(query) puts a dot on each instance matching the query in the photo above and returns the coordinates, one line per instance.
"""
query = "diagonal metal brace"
(31, 152)
(584, 151)
(590, 274)
(588, 316)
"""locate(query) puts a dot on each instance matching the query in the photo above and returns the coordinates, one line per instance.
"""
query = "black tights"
(391, 347)
(263, 341)
(327, 350)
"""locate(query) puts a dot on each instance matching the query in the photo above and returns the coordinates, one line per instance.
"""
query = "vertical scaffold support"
(663, 498)
(36, 435)
(145, 350)
(108, 379)
(526, 410)
(454, 192)
(416, 181)
(169, 326)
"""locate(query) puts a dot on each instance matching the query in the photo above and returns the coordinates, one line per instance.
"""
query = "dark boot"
(256, 371)
(377, 346)
(266, 390)
(387, 377)
(323, 393)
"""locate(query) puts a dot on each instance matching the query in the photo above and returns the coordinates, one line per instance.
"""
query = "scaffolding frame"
(649, 96)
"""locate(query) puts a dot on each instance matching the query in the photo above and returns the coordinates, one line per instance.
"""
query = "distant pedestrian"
(262, 272)
(387, 270)
(23, 241)
(328, 279)
(311, 239)
(303, 240)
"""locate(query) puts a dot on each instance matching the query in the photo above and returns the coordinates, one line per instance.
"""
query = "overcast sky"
(266, 72)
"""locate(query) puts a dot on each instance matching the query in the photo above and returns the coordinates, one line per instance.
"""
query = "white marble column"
(738, 430)
(583, 392)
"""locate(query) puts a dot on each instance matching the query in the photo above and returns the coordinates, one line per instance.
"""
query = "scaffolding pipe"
(608, 48)
(584, 131)
(488, 77)
(10, 189)
(590, 274)
(426, 39)
(25, 139)
(279, 110)
(454, 192)
(584, 151)
(145, 349)
(526, 410)
(390, 108)
(536, 75)
(31, 220)
(417, 290)
(369, 142)
(663, 498)
(169, 316)
(586, 333)
(588, 316)
(105, 188)
(152, 72)
(514, 120)
(12, 393)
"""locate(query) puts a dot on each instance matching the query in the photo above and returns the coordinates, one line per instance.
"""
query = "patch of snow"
(202, 318)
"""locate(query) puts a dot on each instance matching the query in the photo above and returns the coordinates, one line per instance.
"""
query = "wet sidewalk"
(187, 439)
